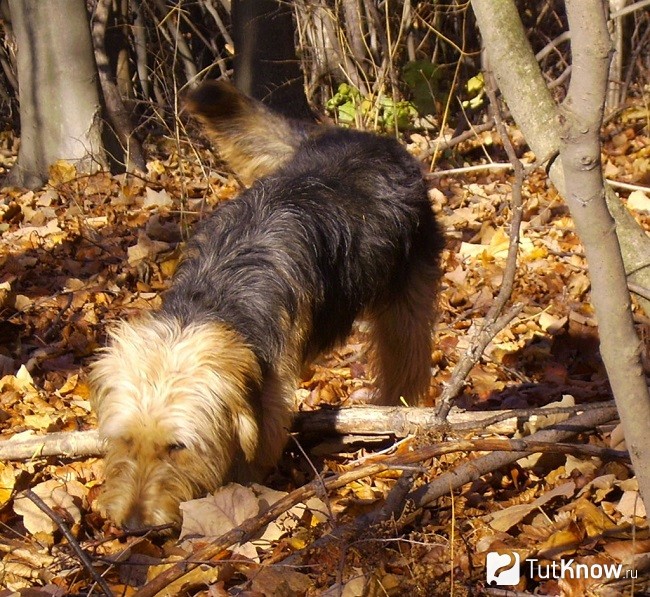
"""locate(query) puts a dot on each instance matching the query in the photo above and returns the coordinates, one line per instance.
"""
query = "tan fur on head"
(172, 406)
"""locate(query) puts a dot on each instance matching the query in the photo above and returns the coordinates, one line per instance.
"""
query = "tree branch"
(580, 119)
(535, 112)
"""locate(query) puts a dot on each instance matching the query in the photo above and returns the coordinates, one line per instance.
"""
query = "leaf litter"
(89, 250)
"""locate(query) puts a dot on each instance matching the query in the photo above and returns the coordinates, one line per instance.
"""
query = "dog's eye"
(174, 448)
(127, 441)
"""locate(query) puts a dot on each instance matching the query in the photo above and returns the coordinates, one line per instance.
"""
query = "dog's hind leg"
(401, 336)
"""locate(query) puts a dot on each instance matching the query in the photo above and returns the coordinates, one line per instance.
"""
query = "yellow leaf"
(363, 491)
(499, 240)
(551, 324)
(638, 201)
(24, 379)
(561, 543)
(155, 167)
(69, 385)
(296, 542)
(62, 171)
(595, 521)
(168, 267)
(82, 390)
(38, 421)
(7, 482)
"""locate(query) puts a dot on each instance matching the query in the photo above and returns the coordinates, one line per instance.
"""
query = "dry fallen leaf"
(631, 506)
(219, 513)
(508, 517)
(638, 201)
(146, 248)
(55, 495)
(61, 172)
(7, 482)
(156, 199)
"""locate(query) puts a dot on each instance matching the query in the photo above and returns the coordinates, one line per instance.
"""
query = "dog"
(336, 224)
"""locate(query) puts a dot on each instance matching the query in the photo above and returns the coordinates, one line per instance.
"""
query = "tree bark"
(580, 122)
(128, 152)
(533, 109)
(59, 98)
(266, 65)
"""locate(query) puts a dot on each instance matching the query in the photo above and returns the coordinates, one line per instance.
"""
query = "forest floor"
(88, 250)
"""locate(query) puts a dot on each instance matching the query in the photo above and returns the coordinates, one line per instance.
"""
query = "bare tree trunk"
(354, 29)
(578, 177)
(266, 64)
(130, 151)
(532, 106)
(59, 98)
(616, 28)
(330, 54)
(581, 119)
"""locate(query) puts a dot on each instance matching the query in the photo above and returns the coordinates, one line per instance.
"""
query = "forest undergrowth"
(88, 250)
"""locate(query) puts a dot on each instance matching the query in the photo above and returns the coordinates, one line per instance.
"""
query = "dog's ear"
(248, 433)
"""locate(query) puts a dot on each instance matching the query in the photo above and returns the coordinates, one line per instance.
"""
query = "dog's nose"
(134, 520)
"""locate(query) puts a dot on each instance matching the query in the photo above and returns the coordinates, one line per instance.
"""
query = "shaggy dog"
(337, 224)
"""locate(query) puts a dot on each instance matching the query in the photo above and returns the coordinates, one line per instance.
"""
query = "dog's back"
(340, 224)
(335, 231)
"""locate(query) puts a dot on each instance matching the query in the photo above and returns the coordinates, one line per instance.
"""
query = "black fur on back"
(334, 231)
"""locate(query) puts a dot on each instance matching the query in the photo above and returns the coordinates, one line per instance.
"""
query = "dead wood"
(542, 441)
(66, 444)
(444, 484)
(364, 423)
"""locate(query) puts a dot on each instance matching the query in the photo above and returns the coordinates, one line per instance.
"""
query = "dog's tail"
(252, 139)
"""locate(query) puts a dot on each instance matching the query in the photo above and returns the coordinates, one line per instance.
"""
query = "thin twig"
(477, 345)
(74, 544)
(628, 9)
(492, 317)
(627, 186)
(467, 169)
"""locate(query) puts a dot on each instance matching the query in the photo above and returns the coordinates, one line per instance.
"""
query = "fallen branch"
(401, 421)
(516, 448)
(465, 473)
(362, 421)
(69, 444)
(470, 471)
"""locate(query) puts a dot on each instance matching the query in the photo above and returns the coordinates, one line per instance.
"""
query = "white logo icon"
(502, 569)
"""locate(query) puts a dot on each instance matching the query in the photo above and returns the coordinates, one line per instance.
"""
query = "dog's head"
(173, 407)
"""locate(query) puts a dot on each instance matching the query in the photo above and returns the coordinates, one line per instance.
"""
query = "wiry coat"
(342, 227)
(337, 230)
